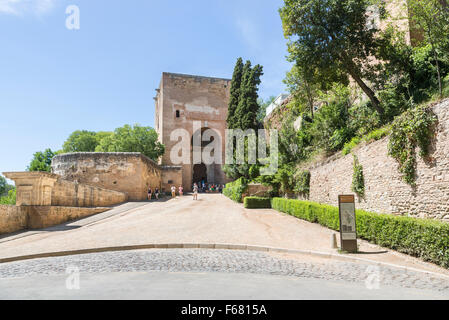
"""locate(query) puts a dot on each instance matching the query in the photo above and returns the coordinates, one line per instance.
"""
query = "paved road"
(200, 273)
(212, 219)
(210, 274)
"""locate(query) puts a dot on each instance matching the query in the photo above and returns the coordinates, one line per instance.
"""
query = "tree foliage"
(236, 83)
(245, 114)
(4, 186)
(42, 161)
(133, 139)
(84, 141)
(432, 19)
(332, 39)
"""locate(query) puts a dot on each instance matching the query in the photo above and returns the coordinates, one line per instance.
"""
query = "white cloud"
(21, 7)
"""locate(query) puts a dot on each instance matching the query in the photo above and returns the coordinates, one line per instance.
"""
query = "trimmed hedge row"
(425, 239)
(234, 190)
(257, 203)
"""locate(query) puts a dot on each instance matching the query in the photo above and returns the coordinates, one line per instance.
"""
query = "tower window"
(178, 114)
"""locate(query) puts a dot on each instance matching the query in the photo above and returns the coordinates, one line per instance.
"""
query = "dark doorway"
(199, 173)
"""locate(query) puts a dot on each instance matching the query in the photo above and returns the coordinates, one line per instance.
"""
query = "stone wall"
(73, 194)
(183, 100)
(385, 191)
(47, 189)
(126, 172)
(13, 218)
(171, 176)
(16, 218)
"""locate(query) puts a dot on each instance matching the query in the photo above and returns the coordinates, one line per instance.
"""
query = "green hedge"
(257, 203)
(425, 239)
(234, 190)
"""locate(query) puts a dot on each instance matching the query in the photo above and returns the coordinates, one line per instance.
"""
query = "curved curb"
(328, 255)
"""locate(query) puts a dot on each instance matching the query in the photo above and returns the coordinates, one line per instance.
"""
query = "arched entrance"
(199, 173)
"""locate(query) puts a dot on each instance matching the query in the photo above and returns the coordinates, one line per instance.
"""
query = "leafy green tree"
(332, 38)
(263, 108)
(236, 83)
(4, 186)
(301, 84)
(133, 139)
(432, 18)
(42, 161)
(81, 141)
(10, 198)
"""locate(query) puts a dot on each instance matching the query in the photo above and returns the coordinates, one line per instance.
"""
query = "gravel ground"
(228, 261)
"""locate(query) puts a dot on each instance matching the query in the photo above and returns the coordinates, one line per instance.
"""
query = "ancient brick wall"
(171, 176)
(13, 218)
(130, 173)
(16, 218)
(183, 100)
(385, 191)
(72, 194)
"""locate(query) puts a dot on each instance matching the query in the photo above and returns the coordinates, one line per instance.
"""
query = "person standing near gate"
(195, 192)
(156, 193)
(173, 191)
(181, 191)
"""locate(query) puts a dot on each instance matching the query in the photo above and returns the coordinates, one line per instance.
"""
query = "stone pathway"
(213, 219)
(228, 261)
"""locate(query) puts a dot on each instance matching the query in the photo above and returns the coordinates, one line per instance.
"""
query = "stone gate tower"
(182, 102)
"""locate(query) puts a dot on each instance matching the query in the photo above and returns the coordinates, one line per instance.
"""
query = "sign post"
(348, 229)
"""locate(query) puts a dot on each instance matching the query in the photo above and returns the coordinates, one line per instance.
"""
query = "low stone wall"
(257, 190)
(385, 191)
(43, 217)
(126, 172)
(69, 193)
(47, 189)
(15, 218)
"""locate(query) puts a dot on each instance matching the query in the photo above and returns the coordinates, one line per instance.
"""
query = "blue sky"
(54, 81)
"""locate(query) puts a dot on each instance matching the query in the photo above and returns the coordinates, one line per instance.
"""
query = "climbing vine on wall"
(303, 183)
(414, 128)
(358, 179)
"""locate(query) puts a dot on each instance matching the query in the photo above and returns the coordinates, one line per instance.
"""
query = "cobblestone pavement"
(213, 219)
(228, 261)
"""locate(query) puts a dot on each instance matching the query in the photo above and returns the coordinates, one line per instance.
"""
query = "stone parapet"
(47, 189)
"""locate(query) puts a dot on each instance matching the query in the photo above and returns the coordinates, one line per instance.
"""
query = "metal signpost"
(348, 229)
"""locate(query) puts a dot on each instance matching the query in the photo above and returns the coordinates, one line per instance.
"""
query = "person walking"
(150, 193)
(156, 193)
(181, 191)
(195, 192)
(173, 191)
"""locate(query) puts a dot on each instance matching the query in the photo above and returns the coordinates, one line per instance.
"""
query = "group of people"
(156, 192)
(173, 191)
(150, 193)
(204, 187)
(197, 187)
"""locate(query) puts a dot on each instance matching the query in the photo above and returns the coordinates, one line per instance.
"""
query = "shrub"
(10, 198)
(358, 180)
(412, 129)
(257, 203)
(351, 145)
(425, 239)
(234, 190)
(303, 183)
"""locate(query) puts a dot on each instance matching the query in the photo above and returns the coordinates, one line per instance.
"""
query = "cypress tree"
(248, 107)
(235, 92)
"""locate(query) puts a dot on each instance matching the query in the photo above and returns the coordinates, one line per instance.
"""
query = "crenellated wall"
(385, 191)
